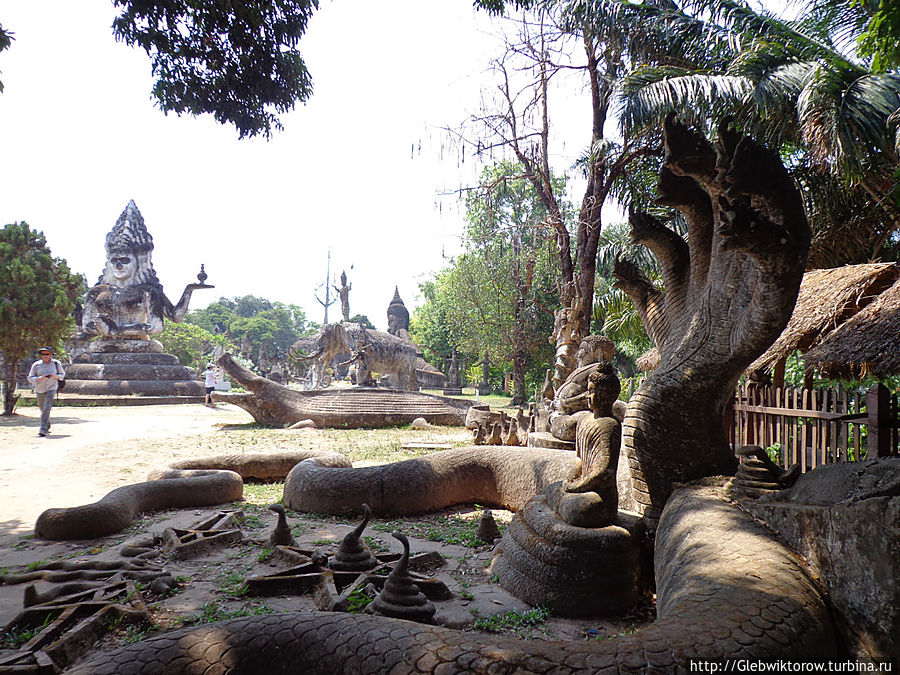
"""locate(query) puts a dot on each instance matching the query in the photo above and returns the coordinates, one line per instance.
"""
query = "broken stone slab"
(209, 533)
(69, 625)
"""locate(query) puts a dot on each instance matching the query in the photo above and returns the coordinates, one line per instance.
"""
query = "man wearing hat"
(45, 375)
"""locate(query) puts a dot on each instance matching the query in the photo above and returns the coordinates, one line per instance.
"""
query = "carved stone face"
(121, 267)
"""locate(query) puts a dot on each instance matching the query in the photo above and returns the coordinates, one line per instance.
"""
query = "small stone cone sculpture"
(487, 528)
(757, 475)
(511, 437)
(480, 435)
(353, 555)
(281, 535)
(401, 598)
(495, 436)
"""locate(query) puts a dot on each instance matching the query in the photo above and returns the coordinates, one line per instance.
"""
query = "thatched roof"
(828, 298)
(867, 344)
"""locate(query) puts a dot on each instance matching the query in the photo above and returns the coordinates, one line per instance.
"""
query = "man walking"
(45, 375)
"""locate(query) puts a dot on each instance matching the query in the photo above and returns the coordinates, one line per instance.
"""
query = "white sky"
(79, 137)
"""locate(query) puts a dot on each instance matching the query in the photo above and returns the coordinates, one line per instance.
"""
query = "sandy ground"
(90, 451)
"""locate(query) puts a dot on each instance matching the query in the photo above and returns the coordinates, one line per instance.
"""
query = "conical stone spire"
(129, 233)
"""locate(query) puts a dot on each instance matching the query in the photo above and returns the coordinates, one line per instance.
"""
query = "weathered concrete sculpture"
(571, 549)
(398, 325)
(272, 404)
(398, 317)
(730, 288)
(281, 534)
(124, 309)
(591, 499)
(353, 554)
(557, 417)
(401, 598)
(371, 350)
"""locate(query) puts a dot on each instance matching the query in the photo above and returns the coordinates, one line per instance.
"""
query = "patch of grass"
(358, 600)
(233, 584)
(376, 545)
(325, 542)
(253, 521)
(512, 621)
(265, 554)
(136, 633)
(447, 529)
(36, 564)
(263, 494)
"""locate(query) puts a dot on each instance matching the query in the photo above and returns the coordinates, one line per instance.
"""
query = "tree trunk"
(10, 375)
(519, 361)
(730, 288)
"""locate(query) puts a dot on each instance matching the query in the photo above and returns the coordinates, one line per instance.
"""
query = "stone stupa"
(114, 353)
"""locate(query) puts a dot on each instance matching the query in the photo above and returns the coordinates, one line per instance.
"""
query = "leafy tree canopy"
(6, 38)
(237, 61)
(37, 297)
(363, 320)
(261, 328)
(192, 344)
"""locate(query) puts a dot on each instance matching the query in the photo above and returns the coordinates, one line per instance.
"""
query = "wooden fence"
(815, 426)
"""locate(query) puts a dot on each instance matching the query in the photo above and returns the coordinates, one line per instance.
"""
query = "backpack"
(60, 384)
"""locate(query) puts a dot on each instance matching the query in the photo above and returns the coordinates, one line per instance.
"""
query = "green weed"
(18, 636)
(358, 600)
(265, 554)
(376, 545)
(213, 612)
(233, 584)
(512, 621)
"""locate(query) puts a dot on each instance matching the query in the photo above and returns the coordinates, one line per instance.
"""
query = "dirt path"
(90, 451)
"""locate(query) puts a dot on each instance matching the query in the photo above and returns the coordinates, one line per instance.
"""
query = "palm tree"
(796, 85)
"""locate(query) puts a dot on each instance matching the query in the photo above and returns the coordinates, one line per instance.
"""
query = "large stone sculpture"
(591, 498)
(398, 325)
(561, 407)
(128, 301)
(121, 312)
(372, 350)
(730, 287)
(571, 549)
(713, 603)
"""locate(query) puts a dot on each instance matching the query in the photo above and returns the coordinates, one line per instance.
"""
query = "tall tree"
(37, 297)
(563, 38)
(795, 85)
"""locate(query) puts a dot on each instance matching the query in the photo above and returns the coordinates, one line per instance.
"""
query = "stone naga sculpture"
(372, 350)
(128, 300)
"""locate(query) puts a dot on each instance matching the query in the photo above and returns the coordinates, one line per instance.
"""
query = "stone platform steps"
(89, 401)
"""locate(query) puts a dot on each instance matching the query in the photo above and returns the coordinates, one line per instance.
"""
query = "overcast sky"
(79, 137)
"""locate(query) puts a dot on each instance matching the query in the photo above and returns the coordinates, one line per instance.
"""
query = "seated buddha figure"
(590, 499)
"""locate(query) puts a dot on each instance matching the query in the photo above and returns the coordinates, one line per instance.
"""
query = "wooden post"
(778, 373)
(878, 410)
(728, 423)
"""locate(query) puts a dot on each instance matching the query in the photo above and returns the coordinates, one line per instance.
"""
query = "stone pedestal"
(453, 391)
(130, 366)
(573, 571)
(544, 439)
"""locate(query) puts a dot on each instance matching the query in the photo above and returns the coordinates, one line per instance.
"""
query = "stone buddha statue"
(128, 301)
(398, 317)
(590, 499)
(572, 396)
